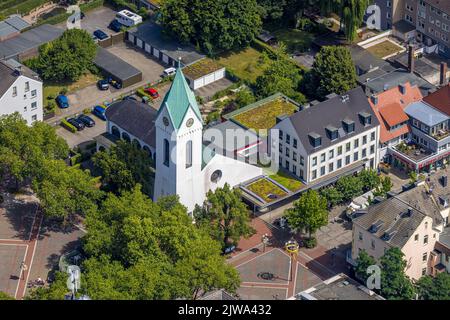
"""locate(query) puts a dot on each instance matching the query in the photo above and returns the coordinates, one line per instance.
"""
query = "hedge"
(68, 126)
(141, 93)
(77, 158)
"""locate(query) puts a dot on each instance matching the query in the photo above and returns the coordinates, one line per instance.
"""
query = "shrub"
(51, 96)
(310, 242)
(50, 106)
(68, 126)
(76, 159)
(64, 91)
(213, 116)
(141, 93)
(87, 111)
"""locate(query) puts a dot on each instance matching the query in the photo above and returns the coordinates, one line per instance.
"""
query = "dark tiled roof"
(134, 117)
(392, 217)
(113, 65)
(332, 112)
(31, 39)
(8, 74)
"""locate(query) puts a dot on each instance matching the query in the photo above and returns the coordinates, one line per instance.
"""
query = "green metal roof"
(179, 99)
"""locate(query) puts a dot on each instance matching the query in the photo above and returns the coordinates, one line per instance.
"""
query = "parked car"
(99, 111)
(114, 83)
(115, 26)
(152, 92)
(62, 101)
(76, 123)
(88, 121)
(99, 34)
(103, 84)
(169, 72)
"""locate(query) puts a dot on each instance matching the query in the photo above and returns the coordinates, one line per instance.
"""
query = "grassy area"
(384, 49)
(295, 40)
(247, 64)
(267, 190)
(265, 115)
(9, 7)
(53, 89)
(201, 68)
(287, 181)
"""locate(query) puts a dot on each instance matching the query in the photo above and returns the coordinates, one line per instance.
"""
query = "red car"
(152, 92)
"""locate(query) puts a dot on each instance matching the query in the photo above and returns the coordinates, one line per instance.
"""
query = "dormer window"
(365, 118)
(348, 125)
(315, 139)
(332, 132)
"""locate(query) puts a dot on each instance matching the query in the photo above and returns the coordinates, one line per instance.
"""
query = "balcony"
(441, 134)
(413, 151)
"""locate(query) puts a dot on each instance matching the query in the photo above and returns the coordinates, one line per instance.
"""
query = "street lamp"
(265, 241)
(292, 247)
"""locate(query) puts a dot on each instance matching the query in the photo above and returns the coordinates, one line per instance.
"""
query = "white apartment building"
(327, 140)
(20, 91)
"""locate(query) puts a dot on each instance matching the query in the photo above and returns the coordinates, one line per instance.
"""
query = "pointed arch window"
(189, 154)
(166, 152)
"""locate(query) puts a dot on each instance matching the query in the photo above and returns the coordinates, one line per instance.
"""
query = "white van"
(128, 18)
(170, 72)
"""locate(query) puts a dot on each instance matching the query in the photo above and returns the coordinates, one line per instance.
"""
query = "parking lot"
(96, 19)
(87, 134)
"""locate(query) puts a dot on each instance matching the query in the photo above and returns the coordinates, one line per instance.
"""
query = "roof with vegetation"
(263, 113)
(266, 190)
(201, 68)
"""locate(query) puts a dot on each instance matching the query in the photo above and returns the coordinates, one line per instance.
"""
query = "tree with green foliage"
(214, 25)
(434, 288)
(139, 249)
(349, 187)
(125, 165)
(369, 179)
(280, 76)
(363, 262)
(384, 187)
(333, 71)
(4, 296)
(395, 285)
(224, 216)
(244, 97)
(64, 190)
(271, 10)
(66, 58)
(332, 195)
(308, 213)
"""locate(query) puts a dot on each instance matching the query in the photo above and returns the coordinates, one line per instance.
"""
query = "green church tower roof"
(179, 99)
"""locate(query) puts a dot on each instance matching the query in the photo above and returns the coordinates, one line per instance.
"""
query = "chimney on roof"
(411, 58)
(17, 71)
(374, 99)
(443, 74)
(402, 89)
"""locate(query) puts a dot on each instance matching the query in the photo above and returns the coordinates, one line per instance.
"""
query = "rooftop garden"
(246, 64)
(264, 116)
(384, 49)
(266, 189)
(287, 181)
(201, 68)
(8, 7)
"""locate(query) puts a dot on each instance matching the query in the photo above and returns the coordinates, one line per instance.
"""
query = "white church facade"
(173, 136)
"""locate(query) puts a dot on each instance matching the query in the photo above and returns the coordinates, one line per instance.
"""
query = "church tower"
(179, 148)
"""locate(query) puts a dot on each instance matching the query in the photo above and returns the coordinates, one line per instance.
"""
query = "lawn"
(384, 49)
(247, 64)
(286, 181)
(265, 115)
(267, 190)
(295, 40)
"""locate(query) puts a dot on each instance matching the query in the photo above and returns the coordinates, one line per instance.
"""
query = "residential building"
(415, 221)
(322, 142)
(395, 223)
(20, 91)
(388, 107)
(339, 287)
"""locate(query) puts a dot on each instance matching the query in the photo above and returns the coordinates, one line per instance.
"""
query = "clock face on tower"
(166, 121)
(189, 122)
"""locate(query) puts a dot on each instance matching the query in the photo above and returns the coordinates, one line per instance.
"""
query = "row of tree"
(395, 285)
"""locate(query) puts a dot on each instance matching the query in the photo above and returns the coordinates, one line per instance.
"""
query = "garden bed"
(266, 190)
